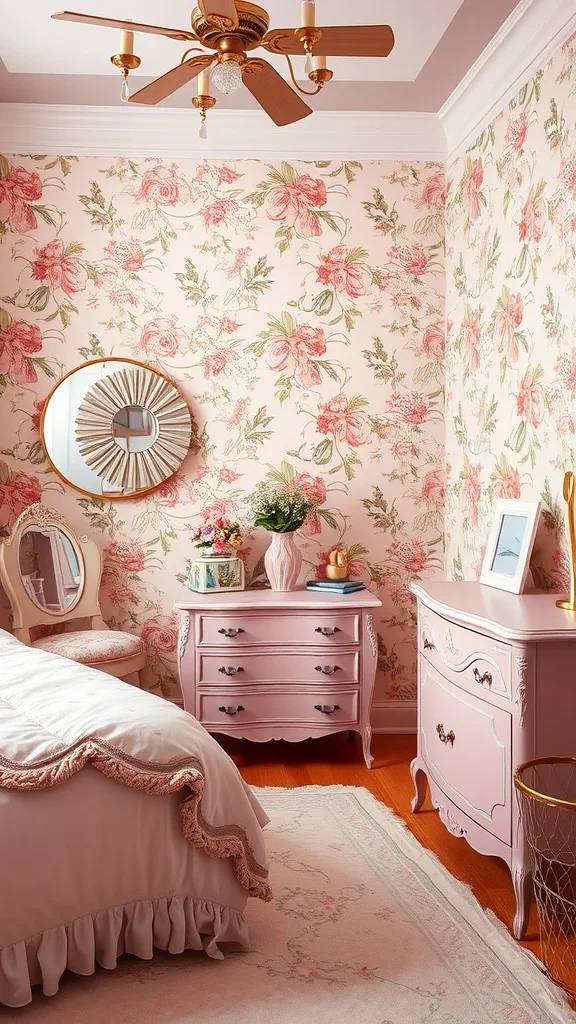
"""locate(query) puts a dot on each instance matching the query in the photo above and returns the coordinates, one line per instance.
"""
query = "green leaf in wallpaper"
(323, 453)
(5, 167)
(5, 319)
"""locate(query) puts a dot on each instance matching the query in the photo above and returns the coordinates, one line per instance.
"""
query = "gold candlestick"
(570, 498)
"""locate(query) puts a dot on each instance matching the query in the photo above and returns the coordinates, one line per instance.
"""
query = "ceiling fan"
(231, 28)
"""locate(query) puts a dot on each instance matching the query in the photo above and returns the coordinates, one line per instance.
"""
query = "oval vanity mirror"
(51, 568)
(115, 428)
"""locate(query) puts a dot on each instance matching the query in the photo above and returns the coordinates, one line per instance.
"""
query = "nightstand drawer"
(475, 662)
(239, 669)
(322, 628)
(466, 744)
(289, 708)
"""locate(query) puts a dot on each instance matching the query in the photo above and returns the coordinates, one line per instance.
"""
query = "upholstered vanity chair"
(50, 576)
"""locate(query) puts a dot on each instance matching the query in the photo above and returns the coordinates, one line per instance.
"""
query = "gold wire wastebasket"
(546, 789)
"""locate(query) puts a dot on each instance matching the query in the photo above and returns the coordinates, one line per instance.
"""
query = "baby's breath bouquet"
(281, 509)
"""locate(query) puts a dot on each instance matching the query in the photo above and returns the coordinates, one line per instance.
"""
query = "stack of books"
(335, 586)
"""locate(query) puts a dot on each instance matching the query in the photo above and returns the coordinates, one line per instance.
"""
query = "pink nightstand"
(496, 687)
(267, 665)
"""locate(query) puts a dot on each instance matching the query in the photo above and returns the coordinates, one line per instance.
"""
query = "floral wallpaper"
(511, 302)
(299, 308)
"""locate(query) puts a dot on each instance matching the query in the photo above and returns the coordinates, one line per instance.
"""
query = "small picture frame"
(510, 544)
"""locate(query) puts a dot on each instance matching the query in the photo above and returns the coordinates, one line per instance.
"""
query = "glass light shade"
(227, 77)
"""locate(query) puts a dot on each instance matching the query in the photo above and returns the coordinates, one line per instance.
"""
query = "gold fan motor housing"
(253, 24)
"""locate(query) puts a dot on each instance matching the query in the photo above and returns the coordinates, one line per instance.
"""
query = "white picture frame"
(510, 543)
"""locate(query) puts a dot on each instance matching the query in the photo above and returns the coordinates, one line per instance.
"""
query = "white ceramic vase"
(283, 562)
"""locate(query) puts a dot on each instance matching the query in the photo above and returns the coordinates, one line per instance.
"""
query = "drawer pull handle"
(486, 678)
(445, 737)
(327, 631)
(327, 670)
(326, 709)
(231, 711)
(229, 670)
(231, 633)
(428, 645)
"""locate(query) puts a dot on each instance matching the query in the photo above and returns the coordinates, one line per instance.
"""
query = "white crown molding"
(393, 716)
(233, 134)
(525, 42)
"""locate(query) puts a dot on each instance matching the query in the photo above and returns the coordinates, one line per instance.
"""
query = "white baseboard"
(390, 716)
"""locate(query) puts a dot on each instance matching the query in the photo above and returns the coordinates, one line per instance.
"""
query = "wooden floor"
(337, 760)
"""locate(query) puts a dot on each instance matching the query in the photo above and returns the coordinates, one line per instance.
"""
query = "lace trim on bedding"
(161, 779)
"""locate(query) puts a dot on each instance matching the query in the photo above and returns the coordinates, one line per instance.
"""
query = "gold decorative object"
(337, 568)
(547, 795)
(228, 30)
(570, 498)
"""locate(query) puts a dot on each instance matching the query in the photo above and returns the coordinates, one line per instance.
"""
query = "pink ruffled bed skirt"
(172, 923)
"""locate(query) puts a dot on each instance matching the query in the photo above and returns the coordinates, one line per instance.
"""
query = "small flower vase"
(283, 562)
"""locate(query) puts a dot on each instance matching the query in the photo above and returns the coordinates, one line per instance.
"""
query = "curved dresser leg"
(523, 891)
(420, 782)
(366, 739)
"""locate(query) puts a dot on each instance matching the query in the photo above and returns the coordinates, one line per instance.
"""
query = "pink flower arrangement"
(217, 536)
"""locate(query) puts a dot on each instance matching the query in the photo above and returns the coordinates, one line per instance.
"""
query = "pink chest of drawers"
(264, 665)
(496, 687)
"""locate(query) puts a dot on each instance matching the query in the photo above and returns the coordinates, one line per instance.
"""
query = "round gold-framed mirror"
(115, 428)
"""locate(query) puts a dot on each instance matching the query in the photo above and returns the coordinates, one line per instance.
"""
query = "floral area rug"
(366, 927)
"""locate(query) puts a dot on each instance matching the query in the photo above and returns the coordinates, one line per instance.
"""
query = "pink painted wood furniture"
(496, 687)
(271, 666)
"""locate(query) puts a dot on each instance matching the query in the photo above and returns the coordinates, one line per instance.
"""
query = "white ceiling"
(31, 43)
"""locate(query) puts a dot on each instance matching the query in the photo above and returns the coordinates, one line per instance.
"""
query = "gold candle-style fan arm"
(335, 41)
(128, 26)
(273, 93)
(173, 80)
(221, 13)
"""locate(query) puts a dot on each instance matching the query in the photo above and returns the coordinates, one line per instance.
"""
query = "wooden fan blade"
(273, 93)
(164, 86)
(336, 41)
(222, 13)
(129, 26)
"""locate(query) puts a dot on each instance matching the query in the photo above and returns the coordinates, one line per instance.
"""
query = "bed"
(124, 827)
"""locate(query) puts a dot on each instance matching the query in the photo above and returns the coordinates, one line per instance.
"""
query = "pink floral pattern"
(90, 647)
(510, 356)
(298, 306)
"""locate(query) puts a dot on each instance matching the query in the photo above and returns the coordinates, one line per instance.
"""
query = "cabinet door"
(466, 744)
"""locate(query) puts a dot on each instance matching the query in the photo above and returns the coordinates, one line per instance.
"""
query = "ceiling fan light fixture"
(227, 76)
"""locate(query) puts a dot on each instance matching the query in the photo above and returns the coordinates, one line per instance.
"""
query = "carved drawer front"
(473, 661)
(466, 744)
(322, 628)
(240, 669)
(327, 707)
